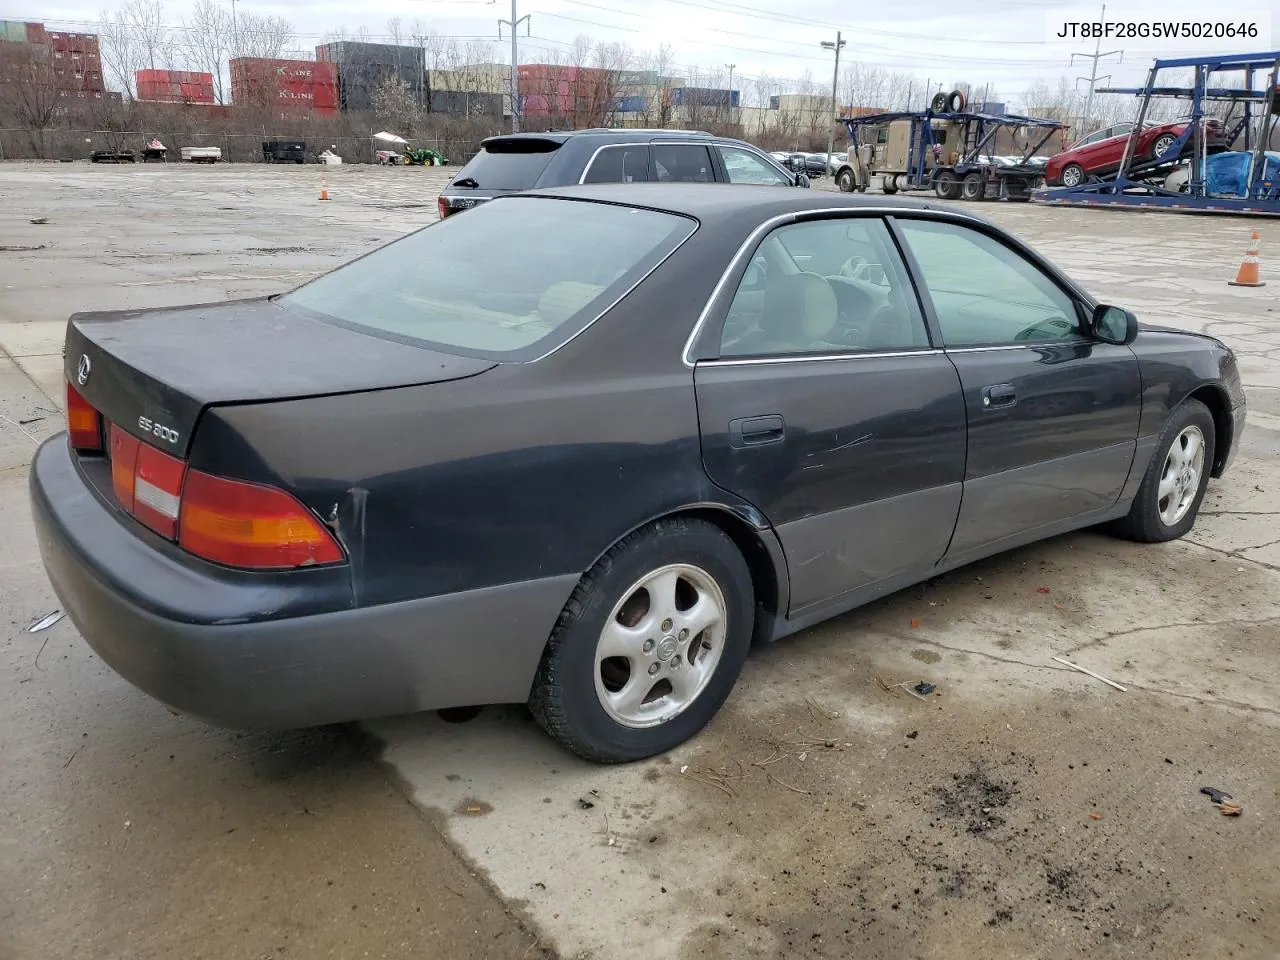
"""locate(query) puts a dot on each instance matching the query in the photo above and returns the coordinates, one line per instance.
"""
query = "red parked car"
(1101, 152)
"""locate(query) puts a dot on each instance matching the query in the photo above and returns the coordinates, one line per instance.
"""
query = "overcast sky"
(1001, 42)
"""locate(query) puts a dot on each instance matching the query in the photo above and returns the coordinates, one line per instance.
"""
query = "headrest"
(799, 308)
(562, 300)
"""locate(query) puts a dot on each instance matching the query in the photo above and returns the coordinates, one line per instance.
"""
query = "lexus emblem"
(83, 369)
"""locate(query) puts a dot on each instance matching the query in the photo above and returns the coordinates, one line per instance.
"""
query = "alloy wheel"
(1180, 479)
(660, 646)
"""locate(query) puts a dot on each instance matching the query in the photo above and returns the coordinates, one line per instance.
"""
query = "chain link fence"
(68, 145)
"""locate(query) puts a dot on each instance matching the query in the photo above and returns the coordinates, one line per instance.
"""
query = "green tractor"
(424, 157)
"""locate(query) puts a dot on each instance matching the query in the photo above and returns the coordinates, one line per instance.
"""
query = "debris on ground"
(586, 804)
(1226, 805)
(1043, 590)
(1096, 676)
(45, 622)
(39, 220)
(920, 689)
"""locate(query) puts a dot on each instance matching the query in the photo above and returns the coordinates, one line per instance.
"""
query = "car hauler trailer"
(950, 152)
(1186, 181)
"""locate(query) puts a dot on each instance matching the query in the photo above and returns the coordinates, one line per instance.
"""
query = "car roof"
(709, 200)
(623, 134)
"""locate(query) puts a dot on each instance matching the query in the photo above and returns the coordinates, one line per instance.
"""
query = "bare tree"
(604, 83)
(206, 38)
(121, 54)
(395, 103)
(154, 38)
(660, 62)
(29, 90)
(261, 36)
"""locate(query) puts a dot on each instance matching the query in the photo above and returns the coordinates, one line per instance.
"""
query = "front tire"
(1072, 175)
(1173, 488)
(844, 180)
(650, 644)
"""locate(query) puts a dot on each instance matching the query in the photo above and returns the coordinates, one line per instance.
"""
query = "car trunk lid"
(153, 372)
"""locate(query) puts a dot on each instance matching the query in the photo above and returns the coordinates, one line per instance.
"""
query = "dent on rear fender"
(346, 518)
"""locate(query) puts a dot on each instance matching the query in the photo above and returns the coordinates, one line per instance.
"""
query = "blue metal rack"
(1133, 184)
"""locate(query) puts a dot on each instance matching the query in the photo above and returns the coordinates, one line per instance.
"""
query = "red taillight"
(146, 482)
(84, 425)
(442, 205)
(231, 522)
(249, 525)
(124, 463)
(157, 490)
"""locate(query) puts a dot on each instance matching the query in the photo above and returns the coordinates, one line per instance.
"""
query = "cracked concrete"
(819, 815)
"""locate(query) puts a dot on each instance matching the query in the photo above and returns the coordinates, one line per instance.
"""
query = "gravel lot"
(821, 815)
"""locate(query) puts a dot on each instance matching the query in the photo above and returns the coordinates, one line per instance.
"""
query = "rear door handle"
(999, 395)
(754, 431)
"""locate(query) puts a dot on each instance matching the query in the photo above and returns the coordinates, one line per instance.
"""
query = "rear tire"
(887, 184)
(973, 187)
(650, 644)
(947, 186)
(1173, 487)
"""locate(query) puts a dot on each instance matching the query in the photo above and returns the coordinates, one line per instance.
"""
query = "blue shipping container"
(704, 96)
(632, 104)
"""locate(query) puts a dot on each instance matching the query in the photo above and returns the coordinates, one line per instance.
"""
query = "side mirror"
(1114, 325)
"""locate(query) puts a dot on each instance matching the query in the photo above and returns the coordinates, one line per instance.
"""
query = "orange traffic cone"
(1248, 275)
(324, 188)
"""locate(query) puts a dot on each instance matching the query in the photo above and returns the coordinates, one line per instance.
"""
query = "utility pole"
(731, 66)
(514, 23)
(1093, 77)
(235, 31)
(835, 85)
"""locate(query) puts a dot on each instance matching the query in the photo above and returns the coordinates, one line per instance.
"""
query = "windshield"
(509, 165)
(507, 280)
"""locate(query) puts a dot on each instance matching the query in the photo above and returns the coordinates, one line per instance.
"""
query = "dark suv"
(527, 161)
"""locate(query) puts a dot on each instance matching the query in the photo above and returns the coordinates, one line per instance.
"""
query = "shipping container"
(704, 97)
(637, 78)
(291, 86)
(632, 104)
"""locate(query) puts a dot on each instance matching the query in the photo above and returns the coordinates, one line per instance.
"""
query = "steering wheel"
(1057, 323)
(851, 267)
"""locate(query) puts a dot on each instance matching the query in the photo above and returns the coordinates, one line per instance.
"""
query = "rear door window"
(510, 280)
(682, 163)
(514, 164)
(621, 163)
(743, 166)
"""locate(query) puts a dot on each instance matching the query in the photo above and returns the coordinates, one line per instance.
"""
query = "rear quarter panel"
(523, 472)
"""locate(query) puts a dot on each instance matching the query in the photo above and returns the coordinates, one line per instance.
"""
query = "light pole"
(730, 66)
(835, 83)
(514, 23)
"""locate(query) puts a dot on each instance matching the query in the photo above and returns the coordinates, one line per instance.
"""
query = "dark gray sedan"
(578, 448)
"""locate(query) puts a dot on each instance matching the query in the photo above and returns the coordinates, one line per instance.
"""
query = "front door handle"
(753, 431)
(999, 395)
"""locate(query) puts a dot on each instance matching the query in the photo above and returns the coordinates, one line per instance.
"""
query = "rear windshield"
(507, 280)
(511, 165)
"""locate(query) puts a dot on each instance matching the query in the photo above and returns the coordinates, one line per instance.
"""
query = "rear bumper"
(456, 650)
